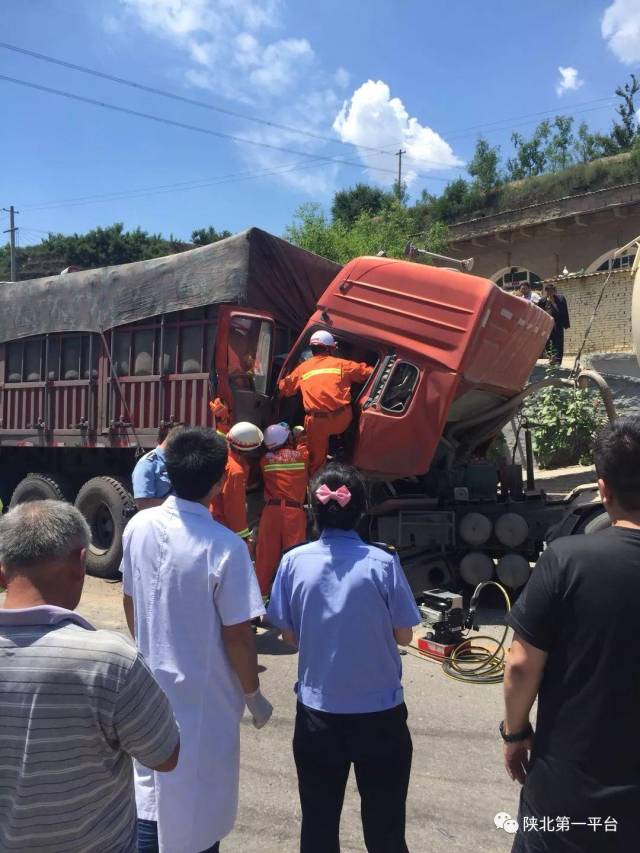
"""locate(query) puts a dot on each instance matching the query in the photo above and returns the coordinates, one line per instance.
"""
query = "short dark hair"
(332, 514)
(196, 458)
(617, 458)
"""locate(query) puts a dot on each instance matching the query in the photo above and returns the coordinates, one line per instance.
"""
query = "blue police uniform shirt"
(342, 598)
(150, 478)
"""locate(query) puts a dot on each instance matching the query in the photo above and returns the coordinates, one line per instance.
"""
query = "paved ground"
(457, 785)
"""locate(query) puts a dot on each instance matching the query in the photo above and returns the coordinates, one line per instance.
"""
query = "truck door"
(400, 418)
(243, 363)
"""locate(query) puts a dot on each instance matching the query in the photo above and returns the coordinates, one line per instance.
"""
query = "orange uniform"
(221, 415)
(283, 523)
(229, 507)
(325, 384)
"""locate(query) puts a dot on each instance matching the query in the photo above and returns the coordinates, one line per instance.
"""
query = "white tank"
(476, 568)
(513, 570)
(475, 528)
(511, 529)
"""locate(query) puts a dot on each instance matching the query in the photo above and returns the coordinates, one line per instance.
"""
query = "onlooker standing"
(346, 605)
(556, 306)
(526, 293)
(576, 647)
(150, 480)
(190, 593)
(75, 703)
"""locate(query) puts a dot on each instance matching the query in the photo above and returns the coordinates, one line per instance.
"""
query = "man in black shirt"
(576, 647)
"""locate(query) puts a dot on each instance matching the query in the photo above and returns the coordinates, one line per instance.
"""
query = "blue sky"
(360, 77)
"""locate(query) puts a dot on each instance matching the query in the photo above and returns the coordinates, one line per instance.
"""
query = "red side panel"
(399, 446)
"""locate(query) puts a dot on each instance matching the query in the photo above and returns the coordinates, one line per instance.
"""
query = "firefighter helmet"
(322, 338)
(245, 436)
(276, 435)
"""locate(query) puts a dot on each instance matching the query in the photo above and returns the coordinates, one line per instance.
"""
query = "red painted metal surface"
(459, 331)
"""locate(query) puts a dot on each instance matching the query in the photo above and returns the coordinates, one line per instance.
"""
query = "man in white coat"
(190, 593)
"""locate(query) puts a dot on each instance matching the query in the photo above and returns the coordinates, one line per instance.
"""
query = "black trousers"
(379, 747)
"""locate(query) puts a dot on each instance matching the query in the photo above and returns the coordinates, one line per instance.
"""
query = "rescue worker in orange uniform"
(325, 384)
(221, 415)
(230, 505)
(283, 524)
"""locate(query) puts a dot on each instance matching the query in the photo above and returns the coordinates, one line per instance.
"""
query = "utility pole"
(11, 230)
(399, 154)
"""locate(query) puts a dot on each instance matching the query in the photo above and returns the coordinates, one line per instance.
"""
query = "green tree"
(483, 168)
(349, 204)
(590, 146)
(561, 143)
(204, 236)
(387, 231)
(625, 131)
(530, 154)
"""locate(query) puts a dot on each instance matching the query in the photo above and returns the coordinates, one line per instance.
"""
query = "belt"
(279, 501)
(328, 414)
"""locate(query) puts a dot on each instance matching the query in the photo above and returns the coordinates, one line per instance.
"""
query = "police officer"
(346, 605)
(151, 483)
(325, 384)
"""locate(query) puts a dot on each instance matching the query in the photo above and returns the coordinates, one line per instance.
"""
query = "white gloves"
(259, 708)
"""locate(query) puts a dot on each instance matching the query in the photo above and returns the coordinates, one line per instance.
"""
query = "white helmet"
(276, 435)
(245, 436)
(322, 338)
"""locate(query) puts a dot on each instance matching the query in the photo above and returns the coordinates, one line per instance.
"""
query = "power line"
(184, 126)
(175, 97)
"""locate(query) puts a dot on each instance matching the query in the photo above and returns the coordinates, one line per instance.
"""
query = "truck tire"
(107, 505)
(40, 487)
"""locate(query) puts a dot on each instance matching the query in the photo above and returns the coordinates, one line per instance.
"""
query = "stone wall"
(611, 330)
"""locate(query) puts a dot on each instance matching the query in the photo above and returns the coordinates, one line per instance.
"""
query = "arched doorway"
(607, 262)
(510, 278)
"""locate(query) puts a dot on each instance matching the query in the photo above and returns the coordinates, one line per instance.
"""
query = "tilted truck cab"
(452, 355)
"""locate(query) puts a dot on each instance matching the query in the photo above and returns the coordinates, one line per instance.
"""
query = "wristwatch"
(517, 736)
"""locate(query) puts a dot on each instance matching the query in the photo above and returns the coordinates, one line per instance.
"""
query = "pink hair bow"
(342, 495)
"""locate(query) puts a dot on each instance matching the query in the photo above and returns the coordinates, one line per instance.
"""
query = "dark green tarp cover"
(252, 268)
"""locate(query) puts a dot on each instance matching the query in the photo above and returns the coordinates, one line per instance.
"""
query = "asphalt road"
(457, 783)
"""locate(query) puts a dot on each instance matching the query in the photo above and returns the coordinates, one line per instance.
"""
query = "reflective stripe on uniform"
(336, 371)
(285, 466)
(243, 533)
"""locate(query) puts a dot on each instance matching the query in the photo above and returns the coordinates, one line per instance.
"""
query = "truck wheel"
(107, 505)
(40, 487)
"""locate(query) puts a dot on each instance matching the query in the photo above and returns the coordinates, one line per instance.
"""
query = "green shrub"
(564, 425)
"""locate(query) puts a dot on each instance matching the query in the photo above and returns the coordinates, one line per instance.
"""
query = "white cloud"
(225, 39)
(342, 78)
(569, 80)
(373, 119)
(621, 30)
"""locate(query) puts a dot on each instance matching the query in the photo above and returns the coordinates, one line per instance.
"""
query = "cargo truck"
(92, 363)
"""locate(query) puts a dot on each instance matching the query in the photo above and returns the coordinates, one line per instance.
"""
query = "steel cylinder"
(475, 528)
(513, 570)
(476, 568)
(511, 529)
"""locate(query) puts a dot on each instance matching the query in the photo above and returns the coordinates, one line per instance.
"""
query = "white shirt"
(188, 576)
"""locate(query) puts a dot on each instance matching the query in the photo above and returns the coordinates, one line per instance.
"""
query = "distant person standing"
(346, 605)
(556, 307)
(526, 293)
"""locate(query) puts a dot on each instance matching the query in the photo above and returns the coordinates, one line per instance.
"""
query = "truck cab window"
(250, 342)
(399, 388)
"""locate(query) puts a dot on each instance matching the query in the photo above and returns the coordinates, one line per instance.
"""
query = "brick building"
(578, 233)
